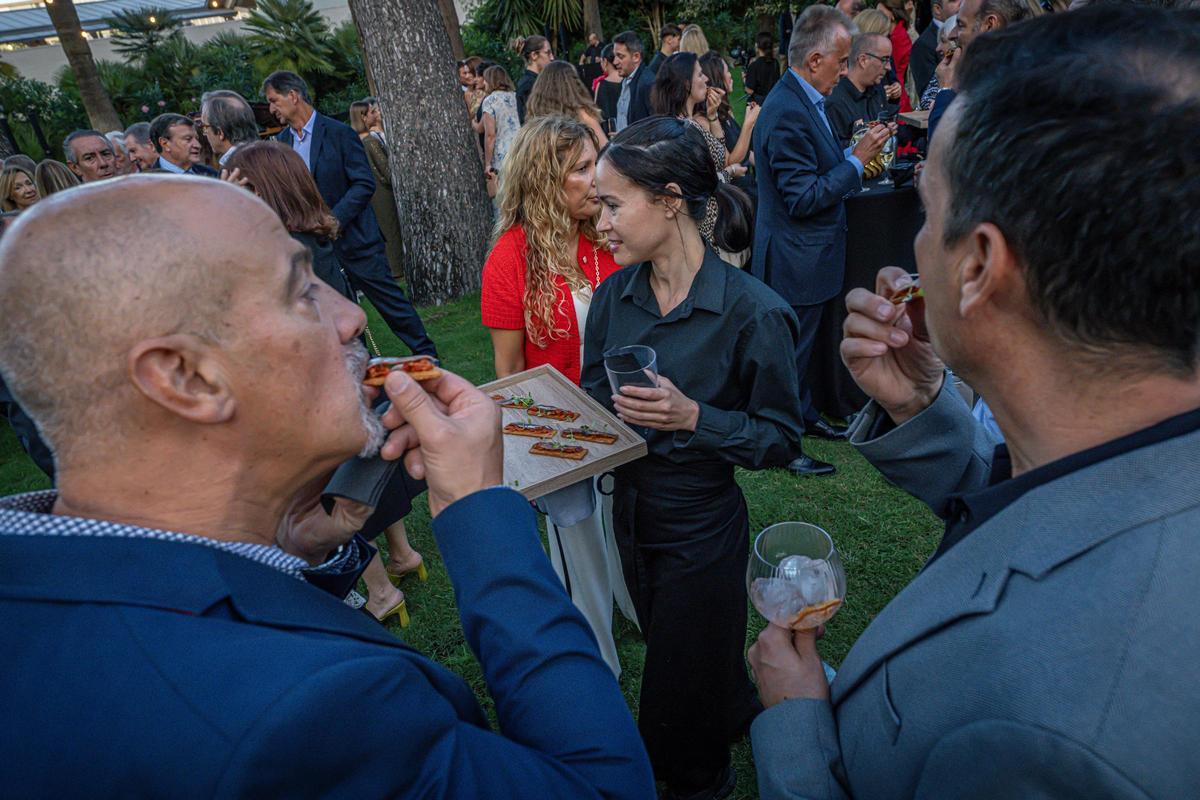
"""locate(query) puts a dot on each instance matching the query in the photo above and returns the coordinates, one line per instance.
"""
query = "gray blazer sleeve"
(939, 452)
(795, 747)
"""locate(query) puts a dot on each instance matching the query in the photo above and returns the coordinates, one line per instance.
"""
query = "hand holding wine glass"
(795, 576)
(871, 143)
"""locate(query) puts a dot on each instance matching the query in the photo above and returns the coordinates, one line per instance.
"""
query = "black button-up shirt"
(847, 105)
(966, 512)
(730, 346)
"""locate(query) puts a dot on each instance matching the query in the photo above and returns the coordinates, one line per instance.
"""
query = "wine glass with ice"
(795, 577)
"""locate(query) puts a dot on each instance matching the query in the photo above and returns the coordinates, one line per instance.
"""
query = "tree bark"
(450, 17)
(96, 101)
(443, 207)
(591, 19)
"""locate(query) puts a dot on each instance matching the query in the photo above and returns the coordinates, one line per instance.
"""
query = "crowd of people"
(220, 469)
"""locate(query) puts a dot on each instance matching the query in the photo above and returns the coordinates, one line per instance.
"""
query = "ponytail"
(662, 150)
(734, 228)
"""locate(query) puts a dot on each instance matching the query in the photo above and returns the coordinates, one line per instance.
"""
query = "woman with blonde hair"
(546, 261)
(17, 189)
(53, 176)
(693, 40)
(872, 20)
(558, 92)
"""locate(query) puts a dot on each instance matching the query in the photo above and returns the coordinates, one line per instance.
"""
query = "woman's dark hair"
(530, 46)
(278, 175)
(607, 53)
(660, 150)
(713, 66)
(765, 44)
(673, 84)
(482, 66)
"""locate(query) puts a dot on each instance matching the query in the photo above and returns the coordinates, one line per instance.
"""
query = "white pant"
(586, 560)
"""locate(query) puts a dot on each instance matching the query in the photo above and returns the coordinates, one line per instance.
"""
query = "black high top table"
(881, 225)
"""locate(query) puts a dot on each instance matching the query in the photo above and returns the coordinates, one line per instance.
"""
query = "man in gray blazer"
(1049, 648)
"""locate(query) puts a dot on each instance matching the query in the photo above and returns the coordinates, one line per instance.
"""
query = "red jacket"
(502, 303)
(901, 50)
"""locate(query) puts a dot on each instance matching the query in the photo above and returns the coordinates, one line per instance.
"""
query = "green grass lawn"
(883, 534)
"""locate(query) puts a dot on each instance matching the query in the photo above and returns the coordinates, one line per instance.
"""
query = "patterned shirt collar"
(30, 515)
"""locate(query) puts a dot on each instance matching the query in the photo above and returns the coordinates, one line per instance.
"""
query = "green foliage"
(291, 35)
(489, 44)
(138, 33)
(58, 112)
(336, 90)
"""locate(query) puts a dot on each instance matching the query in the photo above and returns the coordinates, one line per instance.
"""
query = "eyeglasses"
(1047, 6)
(885, 60)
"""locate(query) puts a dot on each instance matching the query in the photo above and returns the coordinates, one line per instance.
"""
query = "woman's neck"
(674, 269)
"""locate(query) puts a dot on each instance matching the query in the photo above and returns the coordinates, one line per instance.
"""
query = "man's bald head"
(71, 307)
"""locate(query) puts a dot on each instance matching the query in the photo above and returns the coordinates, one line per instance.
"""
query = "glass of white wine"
(795, 577)
(860, 130)
(885, 157)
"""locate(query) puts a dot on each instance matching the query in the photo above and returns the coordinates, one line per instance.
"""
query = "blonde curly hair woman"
(547, 258)
(546, 261)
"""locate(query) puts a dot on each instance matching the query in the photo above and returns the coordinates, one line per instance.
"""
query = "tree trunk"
(450, 17)
(96, 101)
(591, 19)
(444, 211)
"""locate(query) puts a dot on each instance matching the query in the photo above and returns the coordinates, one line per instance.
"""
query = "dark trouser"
(810, 322)
(683, 535)
(371, 275)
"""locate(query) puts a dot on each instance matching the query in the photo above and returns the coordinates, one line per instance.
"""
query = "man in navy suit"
(158, 641)
(634, 102)
(174, 137)
(336, 158)
(803, 178)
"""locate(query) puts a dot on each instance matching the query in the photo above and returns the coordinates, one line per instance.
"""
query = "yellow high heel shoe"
(400, 609)
(422, 574)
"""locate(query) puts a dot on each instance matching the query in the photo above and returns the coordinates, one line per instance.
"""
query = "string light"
(152, 19)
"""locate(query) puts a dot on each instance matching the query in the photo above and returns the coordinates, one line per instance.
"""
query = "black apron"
(683, 534)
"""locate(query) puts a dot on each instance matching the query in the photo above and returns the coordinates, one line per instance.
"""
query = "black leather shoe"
(823, 430)
(807, 465)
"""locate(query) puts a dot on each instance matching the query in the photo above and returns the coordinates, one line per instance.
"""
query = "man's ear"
(988, 265)
(182, 374)
(75, 168)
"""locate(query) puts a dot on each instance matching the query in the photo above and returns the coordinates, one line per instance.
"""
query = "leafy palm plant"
(137, 33)
(290, 34)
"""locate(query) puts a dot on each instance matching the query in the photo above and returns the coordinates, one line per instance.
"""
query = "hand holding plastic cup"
(634, 365)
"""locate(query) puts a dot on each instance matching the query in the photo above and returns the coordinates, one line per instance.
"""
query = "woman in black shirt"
(763, 71)
(728, 396)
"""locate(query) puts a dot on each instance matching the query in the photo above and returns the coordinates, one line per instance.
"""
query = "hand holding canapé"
(447, 432)
(886, 349)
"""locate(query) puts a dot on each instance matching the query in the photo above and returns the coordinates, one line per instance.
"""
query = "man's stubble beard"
(356, 363)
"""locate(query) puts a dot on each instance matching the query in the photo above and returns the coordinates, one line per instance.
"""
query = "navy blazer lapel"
(318, 140)
(1043, 529)
(824, 133)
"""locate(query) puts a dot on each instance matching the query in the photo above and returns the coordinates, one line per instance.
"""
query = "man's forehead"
(90, 144)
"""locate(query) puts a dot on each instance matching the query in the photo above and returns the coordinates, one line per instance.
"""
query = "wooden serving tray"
(534, 476)
(918, 119)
